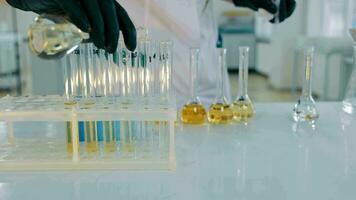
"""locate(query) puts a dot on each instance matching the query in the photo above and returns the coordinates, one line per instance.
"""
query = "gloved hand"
(286, 7)
(103, 19)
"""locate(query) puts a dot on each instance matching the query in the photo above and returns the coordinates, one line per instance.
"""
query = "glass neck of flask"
(243, 71)
(194, 64)
(307, 79)
(220, 75)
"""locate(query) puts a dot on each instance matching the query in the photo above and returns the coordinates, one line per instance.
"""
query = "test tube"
(68, 79)
(165, 71)
(98, 84)
(125, 62)
(88, 101)
(72, 94)
(69, 101)
(111, 85)
(165, 85)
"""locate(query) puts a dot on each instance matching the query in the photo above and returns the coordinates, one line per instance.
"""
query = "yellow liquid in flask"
(193, 114)
(243, 111)
(220, 114)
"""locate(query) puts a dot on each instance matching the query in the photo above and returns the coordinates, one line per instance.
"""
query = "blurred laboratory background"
(276, 60)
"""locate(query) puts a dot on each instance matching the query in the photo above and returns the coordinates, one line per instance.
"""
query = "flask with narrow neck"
(305, 109)
(242, 107)
(220, 111)
(193, 111)
(54, 37)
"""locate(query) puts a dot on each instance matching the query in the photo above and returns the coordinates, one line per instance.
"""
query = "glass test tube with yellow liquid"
(70, 77)
(87, 102)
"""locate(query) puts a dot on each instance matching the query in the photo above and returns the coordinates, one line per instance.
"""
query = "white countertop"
(272, 158)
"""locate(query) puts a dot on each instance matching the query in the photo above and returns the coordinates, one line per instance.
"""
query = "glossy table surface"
(270, 158)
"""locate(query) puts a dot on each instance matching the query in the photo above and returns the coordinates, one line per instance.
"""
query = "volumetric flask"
(220, 111)
(305, 109)
(193, 111)
(242, 106)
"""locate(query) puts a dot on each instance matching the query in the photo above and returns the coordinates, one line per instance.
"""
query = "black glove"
(103, 19)
(286, 7)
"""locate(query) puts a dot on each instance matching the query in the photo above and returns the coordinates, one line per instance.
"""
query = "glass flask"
(305, 109)
(53, 36)
(242, 107)
(193, 112)
(349, 103)
(220, 111)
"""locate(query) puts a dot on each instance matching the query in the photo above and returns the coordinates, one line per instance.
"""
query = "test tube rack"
(27, 149)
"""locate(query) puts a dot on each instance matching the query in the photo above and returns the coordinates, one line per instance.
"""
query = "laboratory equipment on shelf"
(220, 111)
(111, 114)
(305, 109)
(193, 112)
(242, 107)
(54, 37)
(349, 103)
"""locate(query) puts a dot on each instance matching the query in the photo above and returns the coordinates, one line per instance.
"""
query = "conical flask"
(349, 103)
(54, 37)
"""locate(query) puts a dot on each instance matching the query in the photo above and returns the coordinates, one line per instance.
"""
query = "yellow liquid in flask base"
(220, 114)
(243, 111)
(193, 114)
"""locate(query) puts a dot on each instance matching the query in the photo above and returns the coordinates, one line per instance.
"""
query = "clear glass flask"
(305, 109)
(193, 111)
(243, 107)
(349, 103)
(220, 111)
(53, 36)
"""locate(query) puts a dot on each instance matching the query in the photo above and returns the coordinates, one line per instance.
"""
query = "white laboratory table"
(272, 158)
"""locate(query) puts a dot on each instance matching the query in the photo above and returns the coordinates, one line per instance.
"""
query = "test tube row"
(125, 77)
